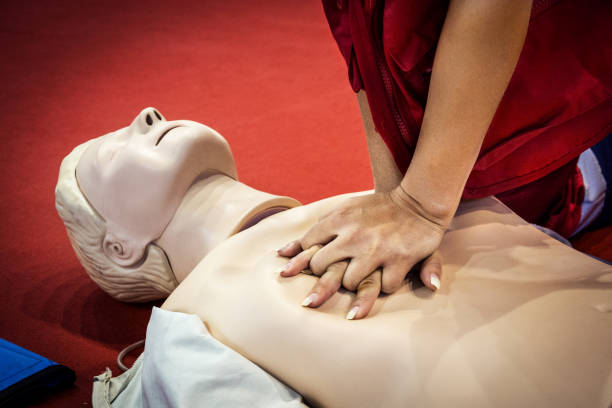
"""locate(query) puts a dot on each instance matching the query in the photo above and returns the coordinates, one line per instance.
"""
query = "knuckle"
(309, 238)
(365, 297)
(343, 211)
(391, 286)
(328, 286)
(369, 283)
(314, 248)
(316, 270)
(317, 266)
(305, 243)
(349, 235)
(337, 267)
(321, 289)
(349, 282)
(302, 259)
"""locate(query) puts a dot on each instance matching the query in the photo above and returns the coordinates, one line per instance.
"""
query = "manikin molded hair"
(150, 279)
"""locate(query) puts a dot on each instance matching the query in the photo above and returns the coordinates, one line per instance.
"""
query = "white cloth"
(184, 366)
(594, 189)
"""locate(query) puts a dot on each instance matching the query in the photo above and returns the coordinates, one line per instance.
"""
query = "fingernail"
(284, 267)
(285, 247)
(311, 298)
(352, 313)
(434, 279)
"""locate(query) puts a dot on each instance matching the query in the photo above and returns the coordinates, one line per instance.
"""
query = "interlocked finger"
(357, 271)
(291, 249)
(367, 293)
(327, 285)
(394, 275)
(327, 256)
(299, 262)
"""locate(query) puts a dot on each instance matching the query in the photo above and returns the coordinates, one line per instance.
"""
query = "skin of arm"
(371, 242)
(478, 49)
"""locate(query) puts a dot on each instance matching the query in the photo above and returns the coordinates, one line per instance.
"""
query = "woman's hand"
(376, 239)
(367, 245)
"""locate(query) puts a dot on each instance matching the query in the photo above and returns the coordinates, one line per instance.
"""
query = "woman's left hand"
(368, 244)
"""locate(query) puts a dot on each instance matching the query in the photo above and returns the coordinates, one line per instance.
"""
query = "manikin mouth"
(165, 133)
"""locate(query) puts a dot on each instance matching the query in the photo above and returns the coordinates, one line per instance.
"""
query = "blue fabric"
(603, 152)
(17, 363)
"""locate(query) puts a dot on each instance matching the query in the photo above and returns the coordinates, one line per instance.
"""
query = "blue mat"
(26, 376)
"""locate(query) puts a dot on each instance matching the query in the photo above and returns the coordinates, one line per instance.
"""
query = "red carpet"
(266, 74)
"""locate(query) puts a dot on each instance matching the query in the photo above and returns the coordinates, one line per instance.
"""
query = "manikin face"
(137, 176)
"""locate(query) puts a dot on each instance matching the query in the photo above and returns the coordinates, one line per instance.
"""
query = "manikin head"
(117, 193)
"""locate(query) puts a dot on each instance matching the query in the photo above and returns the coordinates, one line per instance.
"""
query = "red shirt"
(558, 102)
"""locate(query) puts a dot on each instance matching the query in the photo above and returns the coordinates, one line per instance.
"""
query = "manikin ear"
(123, 252)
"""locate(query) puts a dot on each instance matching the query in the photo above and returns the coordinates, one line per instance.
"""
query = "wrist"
(438, 204)
(436, 184)
(410, 203)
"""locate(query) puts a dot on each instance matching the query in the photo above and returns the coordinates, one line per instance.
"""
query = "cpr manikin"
(117, 194)
(520, 319)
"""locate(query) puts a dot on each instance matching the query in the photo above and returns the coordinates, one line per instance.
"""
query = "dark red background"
(266, 74)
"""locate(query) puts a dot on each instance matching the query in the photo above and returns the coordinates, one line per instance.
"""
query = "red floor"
(266, 74)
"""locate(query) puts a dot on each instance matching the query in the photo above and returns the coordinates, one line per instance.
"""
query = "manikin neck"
(213, 209)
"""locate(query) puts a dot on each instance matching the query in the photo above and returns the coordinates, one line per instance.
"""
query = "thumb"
(431, 271)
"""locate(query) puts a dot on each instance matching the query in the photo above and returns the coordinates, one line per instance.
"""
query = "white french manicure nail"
(352, 313)
(284, 267)
(285, 247)
(435, 281)
(311, 298)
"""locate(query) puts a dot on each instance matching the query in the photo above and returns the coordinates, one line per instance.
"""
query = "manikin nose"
(148, 118)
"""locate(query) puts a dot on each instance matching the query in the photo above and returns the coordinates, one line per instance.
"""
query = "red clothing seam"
(580, 148)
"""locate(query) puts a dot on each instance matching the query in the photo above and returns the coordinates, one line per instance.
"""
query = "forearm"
(478, 49)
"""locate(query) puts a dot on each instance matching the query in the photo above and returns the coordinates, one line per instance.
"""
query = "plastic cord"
(125, 351)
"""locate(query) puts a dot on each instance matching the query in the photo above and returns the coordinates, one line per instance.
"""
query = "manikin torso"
(520, 320)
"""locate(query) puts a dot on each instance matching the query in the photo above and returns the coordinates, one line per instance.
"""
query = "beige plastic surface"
(520, 319)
